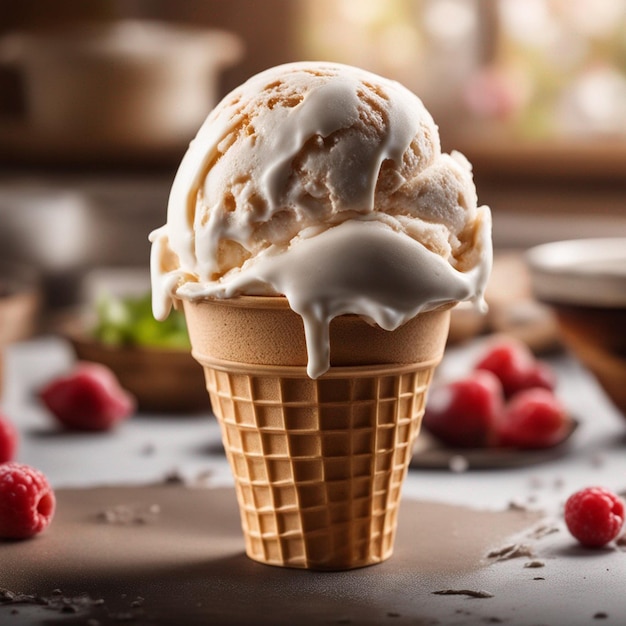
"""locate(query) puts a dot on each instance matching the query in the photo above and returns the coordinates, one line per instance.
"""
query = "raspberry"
(88, 398)
(515, 365)
(533, 418)
(594, 516)
(541, 375)
(27, 501)
(463, 413)
(8, 439)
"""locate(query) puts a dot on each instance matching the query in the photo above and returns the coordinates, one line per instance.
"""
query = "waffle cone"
(318, 464)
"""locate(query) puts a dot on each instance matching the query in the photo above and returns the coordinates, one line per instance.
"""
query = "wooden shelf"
(592, 160)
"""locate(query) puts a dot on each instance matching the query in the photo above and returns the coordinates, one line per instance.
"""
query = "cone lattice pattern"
(319, 464)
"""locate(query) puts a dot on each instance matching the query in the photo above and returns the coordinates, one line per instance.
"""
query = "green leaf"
(129, 321)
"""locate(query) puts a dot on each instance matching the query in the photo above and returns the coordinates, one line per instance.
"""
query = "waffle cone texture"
(318, 464)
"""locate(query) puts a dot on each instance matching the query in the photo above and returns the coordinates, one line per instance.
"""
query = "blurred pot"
(43, 228)
(129, 83)
(64, 228)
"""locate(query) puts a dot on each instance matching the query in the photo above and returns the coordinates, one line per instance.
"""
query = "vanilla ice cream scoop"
(326, 184)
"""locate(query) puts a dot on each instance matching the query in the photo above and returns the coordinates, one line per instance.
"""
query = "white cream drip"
(378, 273)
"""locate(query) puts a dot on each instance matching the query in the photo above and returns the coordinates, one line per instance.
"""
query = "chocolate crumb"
(137, 602)
(621, 541)
(6, 595)
(204, 476)
(55, 602)
(392, 614)
(24, 598)
(517, 506)
(174, 477)
(458, 464)
(493, 620)
(600, 615)
(538, 578)
(511, 551)
(597, 460)
(148, 449)
(534, 564)
(130, 514)
(543, 530)
(472, 593)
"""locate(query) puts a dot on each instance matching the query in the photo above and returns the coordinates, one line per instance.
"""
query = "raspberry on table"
(463, 413)
(27, 501)
(512, 361)
(534, 418)
(8, 439)
(594, 516)
(89, 398)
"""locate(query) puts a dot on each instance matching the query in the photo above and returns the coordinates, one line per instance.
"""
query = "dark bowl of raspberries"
(584, 281)
(504, 404)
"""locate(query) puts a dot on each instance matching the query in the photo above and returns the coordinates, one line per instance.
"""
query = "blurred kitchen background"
(99, 99)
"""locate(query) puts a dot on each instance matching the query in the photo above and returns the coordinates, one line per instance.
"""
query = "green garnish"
(129, 321)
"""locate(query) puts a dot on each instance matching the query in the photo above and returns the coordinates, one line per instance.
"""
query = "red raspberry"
(533, 418)
(515, 365)
(88, 398)
(463, 413)
(8, 439)
(27, 501)
(540, 375)
(594, 516)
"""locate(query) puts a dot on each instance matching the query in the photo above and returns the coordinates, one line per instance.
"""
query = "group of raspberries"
(90, 398)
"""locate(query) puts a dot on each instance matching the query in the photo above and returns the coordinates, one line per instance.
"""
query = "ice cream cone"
(318, 464)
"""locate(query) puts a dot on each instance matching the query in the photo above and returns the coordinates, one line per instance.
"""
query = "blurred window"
(536, 69)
